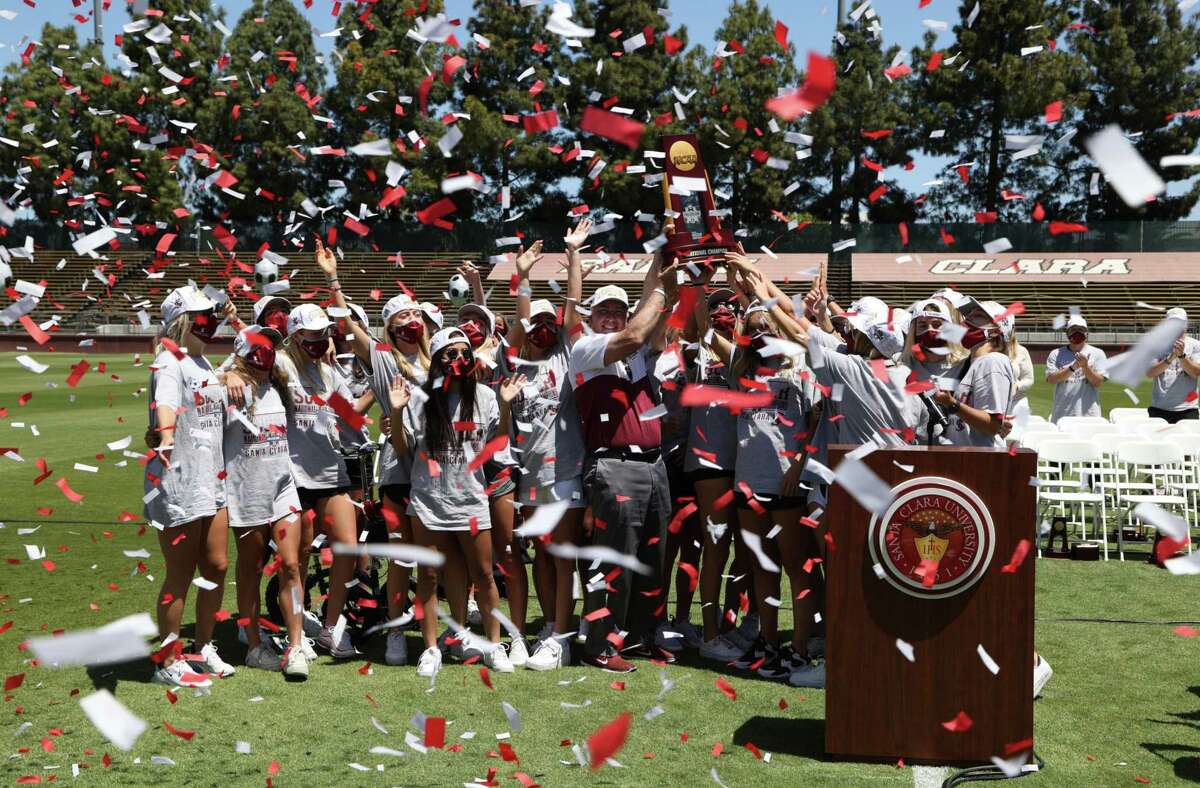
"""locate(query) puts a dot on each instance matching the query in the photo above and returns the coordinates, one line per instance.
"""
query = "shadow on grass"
(1186, 759)
(804, 738)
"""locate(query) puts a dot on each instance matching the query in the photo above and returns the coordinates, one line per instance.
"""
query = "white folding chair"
(1188, 425)
(1074, 461)
(1069, 423)
(1031, 440)
(1125, 414)
(1030, 428)
(1189, 444)
(1092, 431)
(1161, 465)
(1151, 429)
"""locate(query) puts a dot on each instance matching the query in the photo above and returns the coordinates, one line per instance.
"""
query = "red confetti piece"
(726, 688)
(717, 749)
(960, 724)
(346, 412)
(1058, 228)
(1054, 112)
(435, 732)
(13, 681)
(494, 445)
(1012, 748)
(696, 394)
(608, 739)
(818, 86)
(34, 331)
(486, 678)
(781, 32)
(77, 373)
(71, 495)
(1018, 557)
(612, 126)
(185, 735)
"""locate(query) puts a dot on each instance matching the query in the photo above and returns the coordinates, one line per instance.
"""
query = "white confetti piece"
(544, 520)
(987, 660)
(117, 724)
(31, 365)
(906, 648)
(1123, 167)
(203, 583)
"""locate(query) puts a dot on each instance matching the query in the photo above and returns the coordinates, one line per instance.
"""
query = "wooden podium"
(929, 572)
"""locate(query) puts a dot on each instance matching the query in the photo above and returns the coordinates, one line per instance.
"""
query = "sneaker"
(668, 637)
(308, 648)
(214, 663)
(691, 635)
(735, 638)
(749, 627)
(497, 659)
(295, 664)
(720, 649)
(643, 651)
(1041, 674)
(455, 649)
(262, 634)
(811, 675)
(178, 674)
(550, 653)
(546, 631)
(754, 656)
(610, 663)
(518, 652)
(343, 649)
(781, 664)
(264, 657)
(397, 648)
(430, 662)
(473, 615)
(470, 646)
(312, 624)
(816, 648)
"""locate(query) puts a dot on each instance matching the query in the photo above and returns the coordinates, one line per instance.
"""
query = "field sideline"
(1124, 702)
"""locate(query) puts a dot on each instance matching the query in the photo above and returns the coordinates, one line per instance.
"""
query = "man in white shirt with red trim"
(611, 370)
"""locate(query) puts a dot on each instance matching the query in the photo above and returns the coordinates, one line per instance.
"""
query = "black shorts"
(704, 474)
(1174, 416)
(354, 471)
(771, 503)
(309, 497)
(508, 484)
(396, 493)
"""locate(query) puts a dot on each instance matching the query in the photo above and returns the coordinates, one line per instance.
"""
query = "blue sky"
(810, 22)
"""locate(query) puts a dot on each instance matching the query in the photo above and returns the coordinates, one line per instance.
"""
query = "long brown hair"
(439, 421)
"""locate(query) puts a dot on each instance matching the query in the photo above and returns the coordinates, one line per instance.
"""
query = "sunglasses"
(454, 354)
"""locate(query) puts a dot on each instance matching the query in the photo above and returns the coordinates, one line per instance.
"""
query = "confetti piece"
(819, 83)
(612, 126)
(960, 724)
(726, 688)
(608, 739)
(115, 722)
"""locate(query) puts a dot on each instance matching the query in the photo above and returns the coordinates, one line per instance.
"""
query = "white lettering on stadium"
(1036, 266)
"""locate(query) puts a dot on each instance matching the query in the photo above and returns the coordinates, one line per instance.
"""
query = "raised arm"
(398, 397)
(658, 292)
(360, 340)
(575, 241)
(471, 274)
(509, 389)
(526, 260)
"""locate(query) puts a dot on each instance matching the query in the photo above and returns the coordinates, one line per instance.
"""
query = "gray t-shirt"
(358, 381)
(192, 487)
(546, 437)
(1075, 396)
(392, 469)
(258, 469)
(989, 386)
(446, 493)
(313, 442)
(942, 372)
(1173, 385)
(714, 431)
(859, 406)
(769, 437)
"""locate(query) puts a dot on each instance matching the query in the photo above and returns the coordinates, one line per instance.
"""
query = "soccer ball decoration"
(265, 272)
(5, 274)
(458, 290)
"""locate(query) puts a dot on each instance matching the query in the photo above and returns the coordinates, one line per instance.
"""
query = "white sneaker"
(811, 675)
(518, 652)
(307, 648)
(312, 624)
(1041, 674)
(497, 659)
(430, 662)
(295, 664)
(178, 674)
(546, 631)
(816, 648)
(721, 649)
(551, 653)
(214, 663)
(264, 657)
(473, 614)
(397, 648)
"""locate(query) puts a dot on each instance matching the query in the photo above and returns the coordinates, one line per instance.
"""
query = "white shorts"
(286, 505)
(569, 490)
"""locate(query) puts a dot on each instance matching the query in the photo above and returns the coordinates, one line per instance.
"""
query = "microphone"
(936, 415)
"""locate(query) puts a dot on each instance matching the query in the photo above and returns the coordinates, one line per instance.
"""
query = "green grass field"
(1124, 703)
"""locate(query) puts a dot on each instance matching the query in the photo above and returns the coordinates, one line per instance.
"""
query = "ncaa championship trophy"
(694, 234)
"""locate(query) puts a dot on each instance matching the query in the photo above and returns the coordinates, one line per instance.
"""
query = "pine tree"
(745, 149)
(1141, 58)
(263, 128)
(981, 89)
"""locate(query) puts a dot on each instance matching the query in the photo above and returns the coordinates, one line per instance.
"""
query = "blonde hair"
(742, 356)
(402, 363)
(302, 362)
(277, 377)
(177, 332)
(908, 358)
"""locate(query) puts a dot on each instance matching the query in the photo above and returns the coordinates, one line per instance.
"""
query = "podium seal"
(932, 525)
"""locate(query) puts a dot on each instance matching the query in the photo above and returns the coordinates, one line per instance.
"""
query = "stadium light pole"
(98, 26)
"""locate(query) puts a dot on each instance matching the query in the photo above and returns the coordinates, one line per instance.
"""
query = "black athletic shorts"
(396, 493)
(1173, 416)
(772, 503)
(309, 497)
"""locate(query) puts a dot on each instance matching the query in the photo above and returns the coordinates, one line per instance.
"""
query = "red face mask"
(409, 333)
(315, 348)
(973, 337)
(1077, 337)
(204, 325)
(723, 321)
(276, 320)
(930, 339)
(543, 335)
(261, 358)
(474, 335)
(459, 368)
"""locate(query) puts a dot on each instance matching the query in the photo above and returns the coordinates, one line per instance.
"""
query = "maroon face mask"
(204, 325)
(973, 337)
(1076, 337)
(474, 335)
(409, 333)
(459, 368)
(261, 358)
(315, 348)
(277, 320)
(543, 335)
(929, 339)
(723, 320)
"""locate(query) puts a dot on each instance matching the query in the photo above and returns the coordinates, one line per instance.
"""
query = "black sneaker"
(755, 656)
(644, 651)
(782, 664)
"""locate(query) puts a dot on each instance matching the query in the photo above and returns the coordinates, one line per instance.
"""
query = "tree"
(262, 123)
(389, 86)
(864, 129)
(981, 89)
(744, 155)
(1141, 58)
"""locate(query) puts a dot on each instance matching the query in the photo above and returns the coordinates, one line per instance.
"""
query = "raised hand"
(398, 394)
(511, 387)
(578, 237)
(326, 260)
(471, 274)
(528, 258)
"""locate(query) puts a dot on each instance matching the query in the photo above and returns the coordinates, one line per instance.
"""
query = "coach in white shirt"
(1173, 395)
(1074, 371)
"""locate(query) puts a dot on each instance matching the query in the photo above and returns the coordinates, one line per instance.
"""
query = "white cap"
(360, 315)
(397, 303)
(1077, 321)
(242, 344)
(307, 317)
(609, 293)
(865, 312)
(261, 305)
(1177, 312)
(541, 307)
(182, 300)
(931, 307)
(955, 298)
(447, 336)
(480, 313)
(888, 336)
(1007, 323)
(433, 312)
